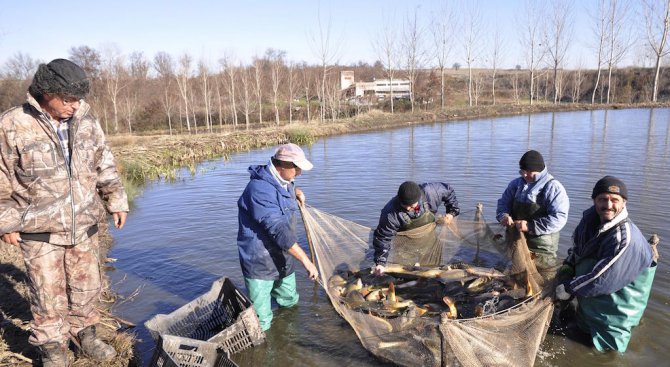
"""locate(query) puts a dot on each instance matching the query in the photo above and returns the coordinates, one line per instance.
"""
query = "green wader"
(543, 247)
(610, 318)
(261, 292)
(412, 245)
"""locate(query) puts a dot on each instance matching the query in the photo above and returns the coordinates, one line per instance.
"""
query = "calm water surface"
(181, 236)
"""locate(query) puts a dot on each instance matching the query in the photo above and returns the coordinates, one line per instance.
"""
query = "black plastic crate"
(175, 351)
(223, 315)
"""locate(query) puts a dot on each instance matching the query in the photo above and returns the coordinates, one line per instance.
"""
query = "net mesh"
(507, 338)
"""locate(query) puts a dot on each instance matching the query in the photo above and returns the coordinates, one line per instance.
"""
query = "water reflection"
(181, 236)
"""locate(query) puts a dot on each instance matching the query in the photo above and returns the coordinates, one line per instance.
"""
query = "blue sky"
(208, 29)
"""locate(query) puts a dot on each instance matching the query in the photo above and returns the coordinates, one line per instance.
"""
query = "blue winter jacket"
(554, 199)
(267, 226)
(619, 249)
(390, 220)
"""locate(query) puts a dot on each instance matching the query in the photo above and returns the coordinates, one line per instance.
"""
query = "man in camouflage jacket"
(58, 180)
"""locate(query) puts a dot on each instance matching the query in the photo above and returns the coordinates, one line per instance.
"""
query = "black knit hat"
(532, 161)
(62, 77)
(611, 185)
(409, 193)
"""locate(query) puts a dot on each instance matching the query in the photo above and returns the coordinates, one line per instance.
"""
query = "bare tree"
(20, 67)
(17, 74)
(308, 96)
(203, 75)
(219, 103)
(470, 40)
(139, 66)
(327, 51)
(515, 88)
(558, 38)
(183, 75)
(259, 65)
(292, 88)
(88, 59)
(531, 41)
(246, 98)
(277, 67)
(112, 71)
(599, 30)
(387, 51)
(129, 106)
(134, 78)
(496, 56)
(618, 38)
(442, 29)
(577, 80)
(478, 84)
(414, 53)
(657, 24)
(228, 65)
(164, 66)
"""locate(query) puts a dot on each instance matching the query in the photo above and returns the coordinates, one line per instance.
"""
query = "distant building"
(380, 88)
(346, 79)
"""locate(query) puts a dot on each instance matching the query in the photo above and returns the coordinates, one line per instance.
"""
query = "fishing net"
(510, 337)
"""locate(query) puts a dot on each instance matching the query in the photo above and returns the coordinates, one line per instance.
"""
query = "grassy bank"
(151, 157)
(147, 158)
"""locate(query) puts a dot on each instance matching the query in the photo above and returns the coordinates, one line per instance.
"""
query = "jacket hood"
(262, 172)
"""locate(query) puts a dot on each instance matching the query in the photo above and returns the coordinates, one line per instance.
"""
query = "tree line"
(134, 92)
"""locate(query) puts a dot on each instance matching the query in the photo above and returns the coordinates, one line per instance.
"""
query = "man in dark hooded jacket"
(413, 207)
(268, 210)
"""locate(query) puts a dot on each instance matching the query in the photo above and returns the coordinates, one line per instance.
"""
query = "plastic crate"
(223, 316)
(174, 351)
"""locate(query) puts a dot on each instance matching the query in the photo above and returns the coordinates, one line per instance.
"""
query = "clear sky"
(209, 29)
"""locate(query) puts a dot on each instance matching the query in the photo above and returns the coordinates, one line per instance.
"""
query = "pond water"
(181, 236)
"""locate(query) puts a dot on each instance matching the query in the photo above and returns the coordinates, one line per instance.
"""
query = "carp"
(457, 290)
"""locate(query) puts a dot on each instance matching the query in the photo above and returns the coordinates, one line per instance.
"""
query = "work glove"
(562, 294)
(565, 272)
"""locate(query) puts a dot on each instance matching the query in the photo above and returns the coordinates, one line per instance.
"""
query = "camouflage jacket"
(37, 191)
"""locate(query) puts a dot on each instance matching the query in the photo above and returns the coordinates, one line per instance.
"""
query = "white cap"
(292, 153)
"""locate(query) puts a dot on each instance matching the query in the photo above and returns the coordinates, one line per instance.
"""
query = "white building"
(381, 88)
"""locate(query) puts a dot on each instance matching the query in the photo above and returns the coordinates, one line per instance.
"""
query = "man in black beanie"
(58, 180)
(609, 270)
(538, 205)
(415, 206)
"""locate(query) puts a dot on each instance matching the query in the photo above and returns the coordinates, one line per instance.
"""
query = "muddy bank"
(15, 313)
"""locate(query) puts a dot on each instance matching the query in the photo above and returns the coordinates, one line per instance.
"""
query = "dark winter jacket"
(619, 249)
(267, 226)
(392, 219)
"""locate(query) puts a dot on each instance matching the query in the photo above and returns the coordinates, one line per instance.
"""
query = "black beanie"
(532, 161)
(62, 77)
(409, 193)
(610, 185)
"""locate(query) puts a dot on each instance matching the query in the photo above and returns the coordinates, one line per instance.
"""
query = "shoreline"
(144, 158)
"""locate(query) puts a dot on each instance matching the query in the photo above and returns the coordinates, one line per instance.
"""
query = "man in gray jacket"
(538, 205)
(58, 180)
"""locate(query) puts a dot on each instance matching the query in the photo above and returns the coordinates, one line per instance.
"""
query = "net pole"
(307, 233)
